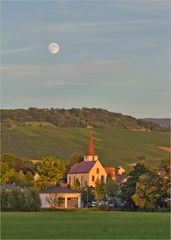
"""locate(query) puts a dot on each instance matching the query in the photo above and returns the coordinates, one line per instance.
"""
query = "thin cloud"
(61, 69)
(73, 27)
(18, 50)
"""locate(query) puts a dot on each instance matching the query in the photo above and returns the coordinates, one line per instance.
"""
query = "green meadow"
(114, 146)
(85, 225)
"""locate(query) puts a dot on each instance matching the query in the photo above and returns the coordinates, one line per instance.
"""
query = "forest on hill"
(78, 117)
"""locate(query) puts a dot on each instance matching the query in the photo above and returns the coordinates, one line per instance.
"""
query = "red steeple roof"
(91, 151)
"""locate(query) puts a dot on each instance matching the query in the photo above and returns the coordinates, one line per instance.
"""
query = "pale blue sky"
(113, 55)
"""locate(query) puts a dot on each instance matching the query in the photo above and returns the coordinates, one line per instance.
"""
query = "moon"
(53, 48)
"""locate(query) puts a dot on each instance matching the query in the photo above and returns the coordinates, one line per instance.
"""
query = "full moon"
(53, 48)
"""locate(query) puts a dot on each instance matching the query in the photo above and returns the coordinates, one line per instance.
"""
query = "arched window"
(93, 178)
(97, 170)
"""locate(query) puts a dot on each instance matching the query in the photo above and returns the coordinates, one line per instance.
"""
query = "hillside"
(75, 117)
(114, 146)
(163, 122)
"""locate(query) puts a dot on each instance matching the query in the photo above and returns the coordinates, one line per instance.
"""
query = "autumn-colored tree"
(9, 158)
(20, 179)
(52, 169)
(9, 176)
(29, 179)
(42, 183)
(100, 190)
(3, 168)
(76, 184)
(147, 191)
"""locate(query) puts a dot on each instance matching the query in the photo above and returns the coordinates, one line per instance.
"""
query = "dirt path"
(166, 149)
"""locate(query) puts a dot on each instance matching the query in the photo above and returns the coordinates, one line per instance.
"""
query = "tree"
(76, 184)
(3, 168)
(128, 188)
(42, 183)
(111, 186)
(20, 199)
(165, 193)
(87, 195)
(29, 179)
(20, 179)
(147, 191)
(9, 176)
(52, 168)
(9, 158)
(75, 158)
(55, 201)
(99, 191)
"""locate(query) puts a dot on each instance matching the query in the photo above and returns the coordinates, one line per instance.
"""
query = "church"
(89, 171)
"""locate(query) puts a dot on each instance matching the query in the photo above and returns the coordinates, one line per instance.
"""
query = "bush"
(20, 199)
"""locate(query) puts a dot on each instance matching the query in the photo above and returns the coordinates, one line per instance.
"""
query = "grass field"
(114, 146)
(85, 225)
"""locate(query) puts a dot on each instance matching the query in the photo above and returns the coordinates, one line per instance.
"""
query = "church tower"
(91, 155)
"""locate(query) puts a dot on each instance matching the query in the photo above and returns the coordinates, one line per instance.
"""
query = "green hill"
(114, 146)
(77, 117)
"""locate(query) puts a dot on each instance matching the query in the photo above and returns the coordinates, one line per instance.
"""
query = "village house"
(60, 197)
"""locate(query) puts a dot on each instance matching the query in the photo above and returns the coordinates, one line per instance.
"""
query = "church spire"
(91, 151)
(91, 155)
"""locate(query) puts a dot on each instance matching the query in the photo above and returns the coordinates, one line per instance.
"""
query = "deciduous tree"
(147, 191)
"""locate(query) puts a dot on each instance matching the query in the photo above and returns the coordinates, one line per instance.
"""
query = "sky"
(113, 55)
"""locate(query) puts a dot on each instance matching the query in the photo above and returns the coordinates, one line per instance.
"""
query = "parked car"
(93, 204)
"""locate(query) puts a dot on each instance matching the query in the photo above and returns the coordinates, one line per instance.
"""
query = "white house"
(62, 197)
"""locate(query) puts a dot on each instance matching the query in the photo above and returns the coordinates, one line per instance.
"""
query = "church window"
(93, 178)
(97, 170)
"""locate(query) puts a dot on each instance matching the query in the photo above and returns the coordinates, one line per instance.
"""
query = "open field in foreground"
(85, 225)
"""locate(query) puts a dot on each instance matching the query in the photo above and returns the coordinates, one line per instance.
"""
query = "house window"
(97, 170)
(69, 179)
(93, 178)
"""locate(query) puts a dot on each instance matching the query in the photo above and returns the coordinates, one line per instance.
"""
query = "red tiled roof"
(111, 171)
(82, 167)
